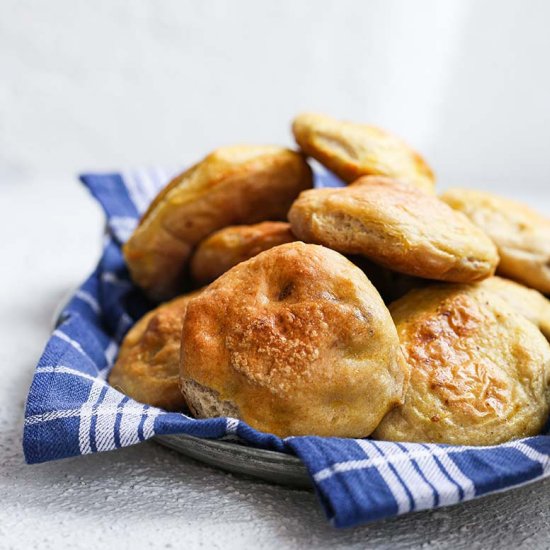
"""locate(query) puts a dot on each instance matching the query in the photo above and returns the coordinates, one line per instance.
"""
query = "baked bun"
(522, 235)
(233, 245)
(232, 185)
(397, 226)
(147, 367)
(353, 150)
(480, 372)
(526, 301)
(294, 341)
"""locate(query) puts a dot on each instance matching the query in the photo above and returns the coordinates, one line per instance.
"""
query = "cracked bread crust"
(298, 341)
(480, 372)
(205, 402)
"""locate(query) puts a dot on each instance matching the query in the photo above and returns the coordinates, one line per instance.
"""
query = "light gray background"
(109, 84)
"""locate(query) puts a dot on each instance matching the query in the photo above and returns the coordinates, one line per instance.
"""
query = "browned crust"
(353, 150)
(147, 366)
(480, 372)
(521, 234)
(526, 301)
(397, 226)
(298, 341)
(233, 185)
(229, 246)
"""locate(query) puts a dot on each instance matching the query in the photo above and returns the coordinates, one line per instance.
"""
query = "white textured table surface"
(147, 496)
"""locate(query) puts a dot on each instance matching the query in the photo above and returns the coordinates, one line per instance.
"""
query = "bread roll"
(232, 185)
(353, 150)
(521, 235)
(232, 245)
(147, 366)
(480, 372)
(397, 226)
(294, 341)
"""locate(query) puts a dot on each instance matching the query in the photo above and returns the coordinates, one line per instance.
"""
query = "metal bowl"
(270, 466)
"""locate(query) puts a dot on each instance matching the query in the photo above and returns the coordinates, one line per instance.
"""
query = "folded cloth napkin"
(72, 410)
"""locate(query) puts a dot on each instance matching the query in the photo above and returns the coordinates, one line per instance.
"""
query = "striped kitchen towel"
(72, 410)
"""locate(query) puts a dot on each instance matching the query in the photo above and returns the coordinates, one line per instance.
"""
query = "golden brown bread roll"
(480, 372)
(147, 367)
(397, 226)
(353, 150)
(232, 245)
(293, 341)
(526, 301)
(232, 185)
(522, 235)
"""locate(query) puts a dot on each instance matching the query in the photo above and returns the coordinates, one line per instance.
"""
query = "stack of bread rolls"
(371, 309)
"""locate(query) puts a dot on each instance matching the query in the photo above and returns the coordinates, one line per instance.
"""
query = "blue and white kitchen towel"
(72, 410)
